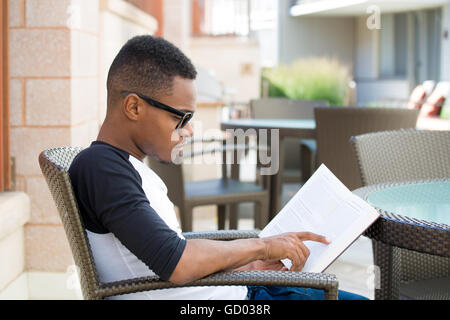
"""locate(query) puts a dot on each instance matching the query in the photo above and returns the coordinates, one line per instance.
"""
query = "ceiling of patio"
(359, 7)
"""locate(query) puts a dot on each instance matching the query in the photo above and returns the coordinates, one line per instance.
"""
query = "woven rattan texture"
(395, 156)
(222, 234)
(384, 258)
(393, 235)
(326, 282)
(408, 154)
(54, 165)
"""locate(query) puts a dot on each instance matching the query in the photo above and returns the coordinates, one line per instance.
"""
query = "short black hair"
(147, 65)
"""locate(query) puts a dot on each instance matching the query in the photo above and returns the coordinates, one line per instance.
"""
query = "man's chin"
(175, 157)
(159, 159)
(165, 162)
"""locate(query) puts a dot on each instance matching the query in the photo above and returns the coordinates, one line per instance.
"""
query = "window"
(232, 17)
(221, 17)
(427, 46)
(394, 45)
(410, 45)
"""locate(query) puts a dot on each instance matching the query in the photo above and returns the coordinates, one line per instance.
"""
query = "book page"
(325, 206)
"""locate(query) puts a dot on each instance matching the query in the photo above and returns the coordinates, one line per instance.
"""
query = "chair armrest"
(222, 234)
(323, 281)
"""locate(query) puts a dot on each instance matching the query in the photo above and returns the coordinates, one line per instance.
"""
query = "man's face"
(156, 133)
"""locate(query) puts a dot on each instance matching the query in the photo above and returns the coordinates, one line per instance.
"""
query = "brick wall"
(53, 51)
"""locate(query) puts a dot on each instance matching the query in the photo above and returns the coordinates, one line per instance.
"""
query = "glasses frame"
(185, 116)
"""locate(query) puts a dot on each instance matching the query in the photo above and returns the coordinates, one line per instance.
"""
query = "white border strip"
(321, 6)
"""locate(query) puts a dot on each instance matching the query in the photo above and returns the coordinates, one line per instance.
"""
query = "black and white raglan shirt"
(131, 223)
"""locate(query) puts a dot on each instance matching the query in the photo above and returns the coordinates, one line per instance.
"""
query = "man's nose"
(189, 129)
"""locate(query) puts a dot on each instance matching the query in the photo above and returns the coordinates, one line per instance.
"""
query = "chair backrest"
(428, 85)
(434, 103)
(172, 175)
(402, 155)
(55, 164)
(417, 97)
(284, 108)
(335, 126)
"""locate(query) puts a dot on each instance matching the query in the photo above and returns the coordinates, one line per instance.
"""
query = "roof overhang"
(360, 7)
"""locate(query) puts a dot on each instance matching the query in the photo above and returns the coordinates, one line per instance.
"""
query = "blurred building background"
(390, 46)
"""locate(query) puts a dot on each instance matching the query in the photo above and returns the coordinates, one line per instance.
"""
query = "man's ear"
(132, 107)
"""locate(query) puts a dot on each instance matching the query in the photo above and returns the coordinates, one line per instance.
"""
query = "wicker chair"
(335, 126)
(406, 155)
(55, 164)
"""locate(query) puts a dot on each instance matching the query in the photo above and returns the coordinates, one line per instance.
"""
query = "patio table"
(414, 216)
(297, 128)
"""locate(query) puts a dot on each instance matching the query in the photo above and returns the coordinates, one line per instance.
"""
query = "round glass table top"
(429, 201)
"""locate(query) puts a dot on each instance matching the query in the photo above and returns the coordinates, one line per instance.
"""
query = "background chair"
(428, 85)
(420, 93)
(403, 155)
(434, 103)
(335, 126)
(417, 97)
(55, 163)
(283, 108)
(223, 192)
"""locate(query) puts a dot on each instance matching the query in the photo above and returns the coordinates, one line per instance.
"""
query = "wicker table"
(297, 128)
(414, 216)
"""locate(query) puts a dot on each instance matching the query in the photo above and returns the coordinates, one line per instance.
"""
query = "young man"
(131, 224)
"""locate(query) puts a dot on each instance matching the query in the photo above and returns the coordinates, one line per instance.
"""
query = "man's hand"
(290, 245)
(202, 257)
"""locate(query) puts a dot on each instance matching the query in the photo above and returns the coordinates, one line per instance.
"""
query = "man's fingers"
(301, 253)
(290, 245)
(309, 236)
(295, 259)
(304, 249)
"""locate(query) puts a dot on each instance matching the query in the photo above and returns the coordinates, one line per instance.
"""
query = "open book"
(325, 206)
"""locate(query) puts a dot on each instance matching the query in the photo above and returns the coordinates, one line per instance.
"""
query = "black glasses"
(185, 116)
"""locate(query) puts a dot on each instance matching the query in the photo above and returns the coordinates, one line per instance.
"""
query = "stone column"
(54, 102)
(177, 23)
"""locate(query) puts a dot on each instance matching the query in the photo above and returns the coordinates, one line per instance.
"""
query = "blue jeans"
(294, 293)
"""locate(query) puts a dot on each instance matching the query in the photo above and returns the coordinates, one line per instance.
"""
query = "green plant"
(309, 79)
(445, 112)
